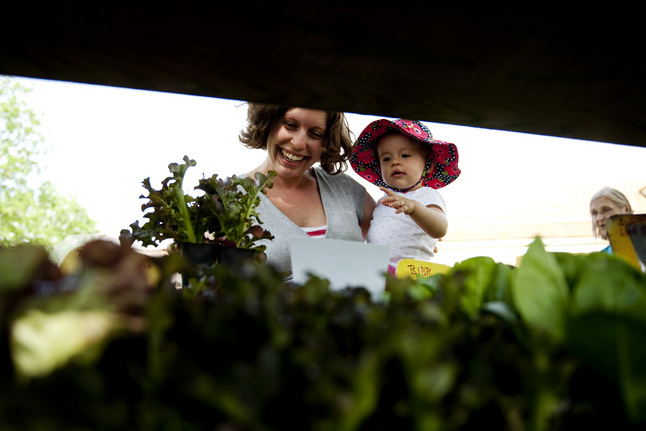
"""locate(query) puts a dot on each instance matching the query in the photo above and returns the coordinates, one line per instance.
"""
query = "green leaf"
(43, 342)
(19, 264)
(480, 280)
(170, 216)
(365, 391)
(233, 203)
(225, 213)
(573, 265)
(614, 346)
(503, 311)
(540, 292)
(608, 283)
(608, 326)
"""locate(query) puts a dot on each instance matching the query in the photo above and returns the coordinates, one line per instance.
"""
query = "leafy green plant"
(554, 344)
(224, 214)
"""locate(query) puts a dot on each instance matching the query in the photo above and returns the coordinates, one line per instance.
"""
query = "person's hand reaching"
(399, 203)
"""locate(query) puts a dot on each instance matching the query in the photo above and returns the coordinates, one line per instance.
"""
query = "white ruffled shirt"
(405, 238)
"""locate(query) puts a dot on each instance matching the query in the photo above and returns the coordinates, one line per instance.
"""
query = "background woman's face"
(600, 210)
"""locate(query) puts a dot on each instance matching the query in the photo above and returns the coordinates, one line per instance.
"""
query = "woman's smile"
(291, 157)
(295, 142)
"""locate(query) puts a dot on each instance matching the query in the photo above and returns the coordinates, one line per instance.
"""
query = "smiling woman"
(294, 142)
(304, 198)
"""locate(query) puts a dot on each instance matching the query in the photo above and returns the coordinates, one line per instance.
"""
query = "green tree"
(30, 213)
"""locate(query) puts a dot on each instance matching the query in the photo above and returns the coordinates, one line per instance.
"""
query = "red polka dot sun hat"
(441, 167)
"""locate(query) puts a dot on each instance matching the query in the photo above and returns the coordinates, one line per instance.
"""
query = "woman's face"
(600, 210)
(295, 141)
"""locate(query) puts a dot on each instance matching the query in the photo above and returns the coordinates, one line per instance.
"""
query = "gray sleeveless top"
(343, 200)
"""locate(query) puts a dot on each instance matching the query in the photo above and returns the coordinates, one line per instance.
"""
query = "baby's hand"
(399, 203)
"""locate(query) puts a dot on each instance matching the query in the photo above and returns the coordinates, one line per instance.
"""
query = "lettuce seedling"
(224, 214)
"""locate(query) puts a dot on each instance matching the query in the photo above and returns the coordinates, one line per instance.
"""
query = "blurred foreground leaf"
(540, 292)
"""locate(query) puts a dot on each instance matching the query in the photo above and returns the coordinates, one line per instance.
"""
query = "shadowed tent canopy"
(523, 67)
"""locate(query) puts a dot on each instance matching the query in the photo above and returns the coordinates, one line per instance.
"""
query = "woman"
(605, 203)
(306, 200)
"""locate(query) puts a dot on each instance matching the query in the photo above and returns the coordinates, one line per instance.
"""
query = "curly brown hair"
(337, 142)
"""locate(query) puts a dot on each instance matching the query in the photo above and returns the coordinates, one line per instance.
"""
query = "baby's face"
(402, 160)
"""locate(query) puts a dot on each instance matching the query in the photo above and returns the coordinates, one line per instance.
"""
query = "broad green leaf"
(481, 280)
(540, 292)
(42, 342)
(615, 346)
(610, 284)
(502, 310)
(572, 265)
(478, 277)
(19, 264)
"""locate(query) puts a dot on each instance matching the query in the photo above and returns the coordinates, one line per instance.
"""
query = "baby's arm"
(430, 219)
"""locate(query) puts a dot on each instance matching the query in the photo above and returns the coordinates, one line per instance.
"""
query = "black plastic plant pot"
(209, 254)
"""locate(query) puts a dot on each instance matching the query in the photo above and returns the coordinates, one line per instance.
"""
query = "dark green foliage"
(241, 349)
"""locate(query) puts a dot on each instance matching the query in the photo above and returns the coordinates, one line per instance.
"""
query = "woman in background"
(605, 203)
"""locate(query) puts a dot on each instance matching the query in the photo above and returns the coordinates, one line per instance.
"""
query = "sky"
(103, 141)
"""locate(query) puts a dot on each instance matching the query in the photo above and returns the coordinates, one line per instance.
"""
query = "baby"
(403, 159)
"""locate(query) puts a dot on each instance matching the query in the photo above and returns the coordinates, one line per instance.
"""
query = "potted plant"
(207, 228)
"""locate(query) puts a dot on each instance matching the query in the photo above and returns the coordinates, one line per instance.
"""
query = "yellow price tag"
(413, 268)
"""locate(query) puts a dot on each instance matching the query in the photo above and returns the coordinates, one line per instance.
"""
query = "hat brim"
(442, 164)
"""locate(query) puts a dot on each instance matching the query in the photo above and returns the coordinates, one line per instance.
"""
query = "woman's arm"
(368, 208)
